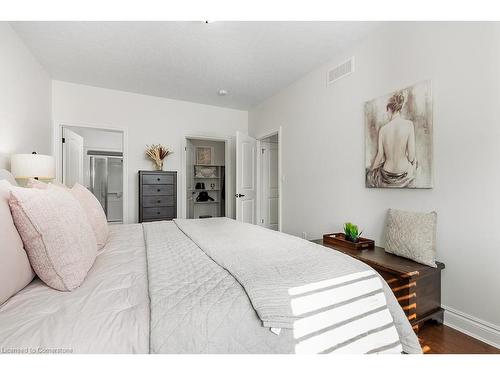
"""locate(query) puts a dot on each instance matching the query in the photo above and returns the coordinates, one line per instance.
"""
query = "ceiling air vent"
(340, 71)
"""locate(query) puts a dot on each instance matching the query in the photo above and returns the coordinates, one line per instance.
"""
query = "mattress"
(108, 313)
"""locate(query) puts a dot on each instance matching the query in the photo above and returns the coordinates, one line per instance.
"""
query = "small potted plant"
(351, 238)
(157, 153)
(351, 232)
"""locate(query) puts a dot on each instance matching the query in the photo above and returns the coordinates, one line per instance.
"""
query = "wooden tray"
(338, 239)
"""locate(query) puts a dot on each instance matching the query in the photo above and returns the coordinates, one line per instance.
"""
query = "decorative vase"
(157, 153)
(158, 165)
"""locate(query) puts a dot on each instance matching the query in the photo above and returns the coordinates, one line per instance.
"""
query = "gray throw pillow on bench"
(412, 235)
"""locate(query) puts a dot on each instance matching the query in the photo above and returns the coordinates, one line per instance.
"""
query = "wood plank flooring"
(440, 339)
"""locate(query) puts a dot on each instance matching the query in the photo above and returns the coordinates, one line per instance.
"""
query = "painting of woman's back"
(399, 139)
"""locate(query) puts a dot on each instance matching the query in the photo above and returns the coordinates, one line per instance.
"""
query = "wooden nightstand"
(416, 286)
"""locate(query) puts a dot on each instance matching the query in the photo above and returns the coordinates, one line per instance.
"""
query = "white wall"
(25, 96)
(323, 149)
(101, 140)
(147, 120)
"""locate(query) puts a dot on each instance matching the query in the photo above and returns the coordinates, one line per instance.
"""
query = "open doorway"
(206, 178)
(268, 182)
(93, 158)
(259, 179)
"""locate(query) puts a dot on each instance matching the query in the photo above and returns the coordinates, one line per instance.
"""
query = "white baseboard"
(474, 327)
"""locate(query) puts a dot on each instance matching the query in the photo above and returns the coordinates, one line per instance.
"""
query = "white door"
(246, 186)
(72, 158)
(269, 207)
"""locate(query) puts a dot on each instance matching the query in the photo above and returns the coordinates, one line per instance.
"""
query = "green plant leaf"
(351, 232)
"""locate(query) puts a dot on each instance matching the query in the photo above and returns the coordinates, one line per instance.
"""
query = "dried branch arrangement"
(157, 153)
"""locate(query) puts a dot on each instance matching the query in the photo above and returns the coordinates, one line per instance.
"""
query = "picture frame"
(204, 155)
(399, 139)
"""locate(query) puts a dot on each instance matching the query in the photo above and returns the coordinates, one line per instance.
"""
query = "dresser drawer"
(158, 213)
(157, 195)
(159, 201)
(158, 190)
(157, 179)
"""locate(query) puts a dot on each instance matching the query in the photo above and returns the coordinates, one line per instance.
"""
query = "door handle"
(239, 195)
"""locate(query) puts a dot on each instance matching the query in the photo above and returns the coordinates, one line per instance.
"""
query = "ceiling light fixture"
(222, 92)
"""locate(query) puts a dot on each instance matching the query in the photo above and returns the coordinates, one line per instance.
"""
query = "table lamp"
(24, 166)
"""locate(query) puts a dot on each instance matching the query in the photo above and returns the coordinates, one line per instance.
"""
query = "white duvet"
(108, 313)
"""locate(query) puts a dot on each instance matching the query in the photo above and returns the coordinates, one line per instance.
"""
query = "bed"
(108, 313)
(155, 288)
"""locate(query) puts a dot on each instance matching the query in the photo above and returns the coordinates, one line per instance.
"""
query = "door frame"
(278, 132)
(57, 152)
(227, 167)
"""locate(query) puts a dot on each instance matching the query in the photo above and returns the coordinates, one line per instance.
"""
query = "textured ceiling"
(188, 60)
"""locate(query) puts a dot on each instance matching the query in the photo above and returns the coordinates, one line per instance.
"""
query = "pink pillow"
(56, 233)
(37, 184)
(15, 269)
(94, 211)
(90, 205)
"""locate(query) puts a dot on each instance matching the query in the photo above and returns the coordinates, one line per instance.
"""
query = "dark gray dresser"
(157, 195)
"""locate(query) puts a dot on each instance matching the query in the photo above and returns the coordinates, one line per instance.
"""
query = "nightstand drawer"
(158, 179)
(158, 190)
(159, 201)
(158, 212)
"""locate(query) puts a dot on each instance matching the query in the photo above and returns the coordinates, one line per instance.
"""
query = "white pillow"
(56, 233)
(15, 269)
(412, 235)
(6, 175)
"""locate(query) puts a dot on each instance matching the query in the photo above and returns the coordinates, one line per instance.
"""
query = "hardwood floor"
(440, 339)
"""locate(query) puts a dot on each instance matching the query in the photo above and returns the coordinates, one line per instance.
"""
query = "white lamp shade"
(32, 165)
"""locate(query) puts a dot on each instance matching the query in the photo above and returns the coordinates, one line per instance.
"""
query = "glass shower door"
(106, 183)
(115, 190)
(99, 179)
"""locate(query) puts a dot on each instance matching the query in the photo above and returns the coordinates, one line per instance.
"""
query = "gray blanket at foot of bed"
(199, 307)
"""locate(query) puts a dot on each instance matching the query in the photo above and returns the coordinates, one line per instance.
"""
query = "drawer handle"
(158, 213)
(159, 201)
(158, 190)
(158, 179)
